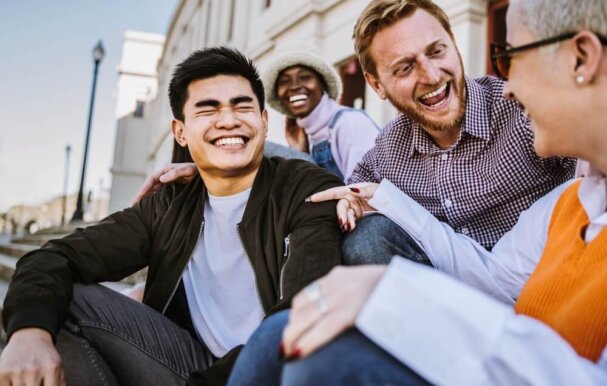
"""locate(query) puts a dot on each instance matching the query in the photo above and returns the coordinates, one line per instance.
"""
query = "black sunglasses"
(501, 54)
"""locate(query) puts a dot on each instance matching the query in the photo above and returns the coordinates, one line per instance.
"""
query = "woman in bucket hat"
(302, 86)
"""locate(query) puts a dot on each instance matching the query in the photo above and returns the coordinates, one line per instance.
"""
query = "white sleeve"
(353, 135)
(454, 335)
(500, 272)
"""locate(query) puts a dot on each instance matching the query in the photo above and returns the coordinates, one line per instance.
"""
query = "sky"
(46, 75)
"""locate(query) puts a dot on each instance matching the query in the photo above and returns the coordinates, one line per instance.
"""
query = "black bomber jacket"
(289, 242)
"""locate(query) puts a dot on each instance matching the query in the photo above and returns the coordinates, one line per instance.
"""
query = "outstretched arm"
(447, 332)
(352, 202)
(452, 334)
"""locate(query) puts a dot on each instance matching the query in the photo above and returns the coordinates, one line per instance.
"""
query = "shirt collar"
(592, 194)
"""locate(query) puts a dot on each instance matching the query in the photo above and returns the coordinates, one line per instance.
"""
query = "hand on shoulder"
(183, 172)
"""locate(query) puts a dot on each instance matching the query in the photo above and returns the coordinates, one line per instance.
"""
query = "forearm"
(41, 289)
(452, 334)
(500, 272)
(39, 294)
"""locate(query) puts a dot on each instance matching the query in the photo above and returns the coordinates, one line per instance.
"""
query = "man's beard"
(425, 119)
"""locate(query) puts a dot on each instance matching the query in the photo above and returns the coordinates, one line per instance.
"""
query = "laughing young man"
(223, 251)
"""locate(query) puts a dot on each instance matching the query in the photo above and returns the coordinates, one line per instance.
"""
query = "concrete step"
(7, 267)
(37, 239)
(15, 250)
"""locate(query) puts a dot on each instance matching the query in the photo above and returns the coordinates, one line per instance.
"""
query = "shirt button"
(444, 156)
(465, 231)
(448, 203)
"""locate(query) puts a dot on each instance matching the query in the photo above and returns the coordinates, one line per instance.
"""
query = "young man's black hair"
(207, 63)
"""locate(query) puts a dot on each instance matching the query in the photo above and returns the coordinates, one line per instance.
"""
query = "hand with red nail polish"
(295, 354)
(344, 292)
(352, 202)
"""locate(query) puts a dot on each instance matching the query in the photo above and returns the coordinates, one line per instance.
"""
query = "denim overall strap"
(321, 152)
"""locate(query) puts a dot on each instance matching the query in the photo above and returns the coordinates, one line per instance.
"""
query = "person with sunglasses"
(418, 326)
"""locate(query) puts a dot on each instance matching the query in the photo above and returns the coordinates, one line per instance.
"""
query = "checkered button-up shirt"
(481, 183)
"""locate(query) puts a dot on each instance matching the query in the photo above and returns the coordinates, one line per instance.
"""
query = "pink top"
(352, 136)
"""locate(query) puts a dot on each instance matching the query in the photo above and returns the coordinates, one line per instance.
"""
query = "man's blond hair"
(380, 14)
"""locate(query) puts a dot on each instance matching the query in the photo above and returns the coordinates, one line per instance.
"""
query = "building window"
(139, 109)
(353, 79)
(496, 27)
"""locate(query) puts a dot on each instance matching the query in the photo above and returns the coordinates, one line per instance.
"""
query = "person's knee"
(325, 366)
(274, 325)
(94, 302)
(370, 242)
(376, 240)
(86, 295)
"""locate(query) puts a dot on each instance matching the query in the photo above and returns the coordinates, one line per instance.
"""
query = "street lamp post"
(68, 149)
(98, 53)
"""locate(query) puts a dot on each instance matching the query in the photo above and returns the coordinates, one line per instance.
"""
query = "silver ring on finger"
(313, 294)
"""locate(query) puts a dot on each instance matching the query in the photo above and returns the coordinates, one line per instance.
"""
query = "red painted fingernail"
(355, 190)
(347, 227)
(296, 354)
(281, 350)
(339, 221)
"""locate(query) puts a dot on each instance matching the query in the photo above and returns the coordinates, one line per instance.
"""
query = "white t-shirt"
(219, 279)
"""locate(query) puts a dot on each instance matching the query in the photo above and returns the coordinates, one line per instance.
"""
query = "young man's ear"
(375, 85)
(264, 118)
(588, 53)
(178, 129)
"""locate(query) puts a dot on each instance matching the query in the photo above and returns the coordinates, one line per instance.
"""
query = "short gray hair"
(548, 18)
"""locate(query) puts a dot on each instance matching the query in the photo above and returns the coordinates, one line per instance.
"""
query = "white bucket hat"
(290, 58)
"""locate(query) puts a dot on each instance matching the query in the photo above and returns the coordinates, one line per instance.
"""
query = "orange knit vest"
(568, 289)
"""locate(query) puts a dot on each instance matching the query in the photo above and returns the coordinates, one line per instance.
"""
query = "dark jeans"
(110, 339)
(351, 359)
(376, 239)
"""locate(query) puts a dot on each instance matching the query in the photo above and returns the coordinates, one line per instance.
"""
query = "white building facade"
(137, 85)
(260, 27)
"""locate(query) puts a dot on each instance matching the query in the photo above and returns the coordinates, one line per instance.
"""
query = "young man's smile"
(223, 128)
